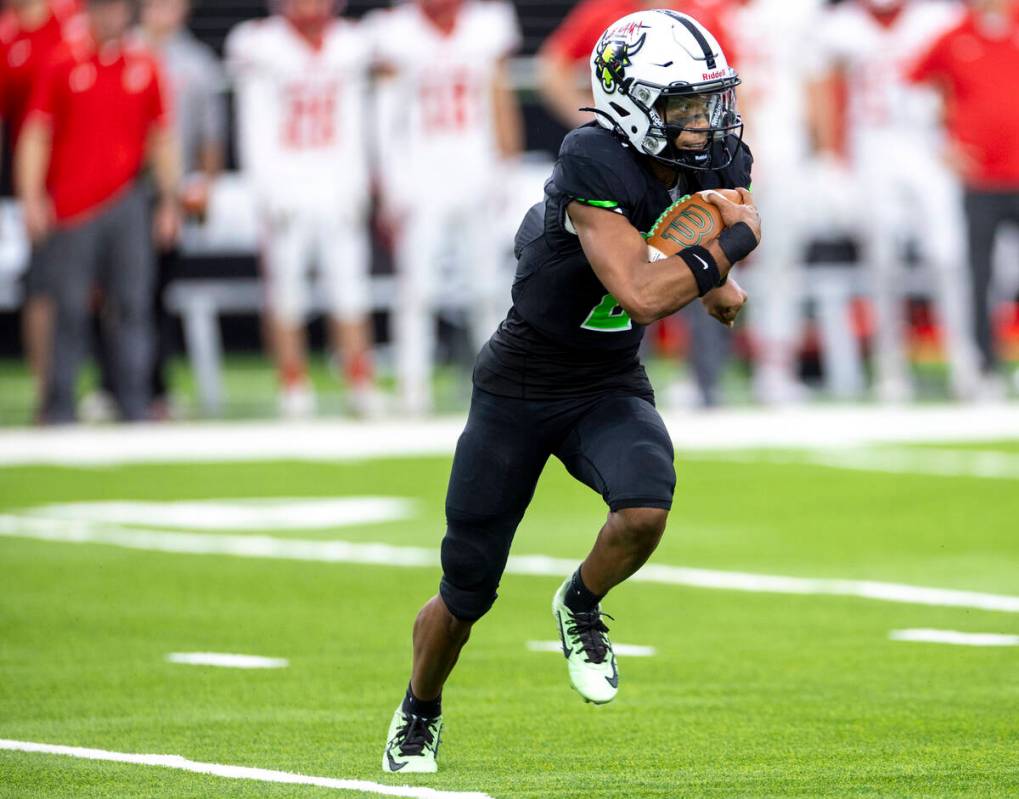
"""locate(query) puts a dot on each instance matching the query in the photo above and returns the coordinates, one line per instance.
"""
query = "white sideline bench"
(200, 303)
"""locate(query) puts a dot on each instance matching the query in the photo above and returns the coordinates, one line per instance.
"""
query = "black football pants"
(615, 443)
(986, 213)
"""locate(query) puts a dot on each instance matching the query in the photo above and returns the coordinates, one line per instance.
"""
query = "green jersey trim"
(598, 203)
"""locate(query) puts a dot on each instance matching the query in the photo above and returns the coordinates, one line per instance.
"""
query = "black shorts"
(615, 443)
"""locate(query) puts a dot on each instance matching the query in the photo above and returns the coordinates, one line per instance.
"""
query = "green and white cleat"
(588, 651)
(412, 744)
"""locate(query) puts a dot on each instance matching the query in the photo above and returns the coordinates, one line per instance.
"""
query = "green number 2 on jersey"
(608, 316)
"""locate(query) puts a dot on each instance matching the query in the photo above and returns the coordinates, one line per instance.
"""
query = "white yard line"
(237, 772)
(810, 427)
(630, 650)
(226, 660)
(954, 637)
(985, 464)
(273, 513)
(248, 546)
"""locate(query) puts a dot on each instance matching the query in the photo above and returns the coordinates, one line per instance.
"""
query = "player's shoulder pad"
(595, 165)
(247, 42)
(742, 166)
(497, 21)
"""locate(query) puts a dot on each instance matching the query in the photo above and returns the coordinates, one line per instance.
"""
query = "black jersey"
(565, 333)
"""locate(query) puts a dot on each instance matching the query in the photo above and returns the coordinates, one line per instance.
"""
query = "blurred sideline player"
(30, 31)
(99, 101)
(772, 99)
(900, 181)
(196, 84)
(970, 65)
(561, 376)
(448, 121)
(562, 72)
(301, 78)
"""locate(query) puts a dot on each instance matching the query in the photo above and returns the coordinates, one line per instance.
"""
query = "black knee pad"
(643, 477)
(474, 554)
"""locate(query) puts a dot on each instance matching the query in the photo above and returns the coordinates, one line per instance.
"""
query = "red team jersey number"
(449, 102)
(310, 115)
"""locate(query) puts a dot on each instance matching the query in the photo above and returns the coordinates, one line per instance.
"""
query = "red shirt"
(23, 53)
(980, 74)
(576, 37)
(101, 105)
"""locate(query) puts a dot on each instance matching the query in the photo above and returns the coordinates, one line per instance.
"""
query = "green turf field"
(749, 694)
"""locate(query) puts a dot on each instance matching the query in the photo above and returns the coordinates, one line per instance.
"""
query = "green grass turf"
(749, 695)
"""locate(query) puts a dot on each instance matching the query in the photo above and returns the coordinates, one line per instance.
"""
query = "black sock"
(419, 707)
(579, 597)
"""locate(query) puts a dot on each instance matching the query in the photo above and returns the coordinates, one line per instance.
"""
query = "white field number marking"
(982, 464)
(226, 660)
(259, 546)
(237, 772)
(630, 650)
(955, 637)
(277, 513)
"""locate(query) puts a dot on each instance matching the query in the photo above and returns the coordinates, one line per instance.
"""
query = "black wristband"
(737, 242)
(705, 269)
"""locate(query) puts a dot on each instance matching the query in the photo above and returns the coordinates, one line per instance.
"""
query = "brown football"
(687, 222)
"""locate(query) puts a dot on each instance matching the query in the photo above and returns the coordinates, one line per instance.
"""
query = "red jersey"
(576, 37)
(23, 53)
(101, 105)
(979, 71)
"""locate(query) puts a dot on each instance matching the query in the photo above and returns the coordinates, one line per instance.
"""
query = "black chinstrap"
(415, 735)
(592, 632)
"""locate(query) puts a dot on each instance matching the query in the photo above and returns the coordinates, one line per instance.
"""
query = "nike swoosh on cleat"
(614, 679)
(393, 765)
(562, 636)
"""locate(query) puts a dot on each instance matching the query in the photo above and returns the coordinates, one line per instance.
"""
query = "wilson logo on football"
(690, 227)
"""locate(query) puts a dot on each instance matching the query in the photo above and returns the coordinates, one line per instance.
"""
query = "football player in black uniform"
(561, 375)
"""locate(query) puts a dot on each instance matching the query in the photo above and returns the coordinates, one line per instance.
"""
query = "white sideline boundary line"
(237, 772)
(246, 546)
(226, 660)
(811, 427)
(986, 464)
(955, 637)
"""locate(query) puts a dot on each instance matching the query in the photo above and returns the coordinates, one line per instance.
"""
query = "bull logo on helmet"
(612, 59)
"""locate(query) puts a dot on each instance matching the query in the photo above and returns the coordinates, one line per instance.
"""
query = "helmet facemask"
(691, 126)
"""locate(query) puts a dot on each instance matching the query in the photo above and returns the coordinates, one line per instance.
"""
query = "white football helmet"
(657, 74)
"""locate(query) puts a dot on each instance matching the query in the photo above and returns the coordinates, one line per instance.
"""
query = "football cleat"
(589, 656)
(412, 744)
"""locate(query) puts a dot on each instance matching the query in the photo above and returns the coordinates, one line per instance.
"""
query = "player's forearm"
(660, 288)
(558, 88)
(32, 161)
(212, 158)
(823, 114)
(164, 158)
(509, 125)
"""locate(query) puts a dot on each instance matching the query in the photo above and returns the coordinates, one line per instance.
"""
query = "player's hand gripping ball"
(691, 220)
